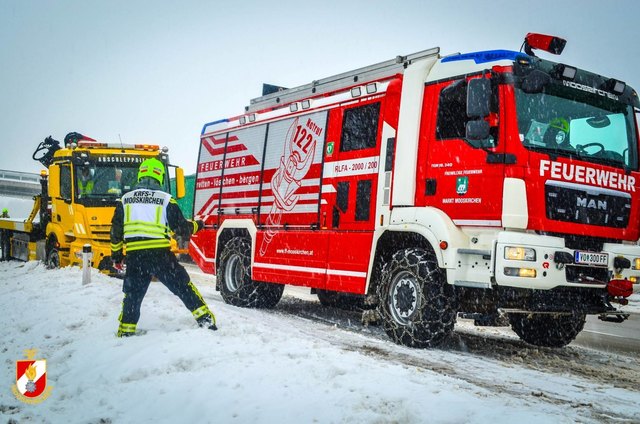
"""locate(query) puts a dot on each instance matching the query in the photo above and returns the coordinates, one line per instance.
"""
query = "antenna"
(120, 138)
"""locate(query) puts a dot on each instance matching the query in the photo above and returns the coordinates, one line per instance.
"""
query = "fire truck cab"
(489, 183)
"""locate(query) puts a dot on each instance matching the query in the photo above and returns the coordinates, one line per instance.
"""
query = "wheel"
(345, 301)
(547, 329)
(53, 258)
(417, 305)
(234, 275)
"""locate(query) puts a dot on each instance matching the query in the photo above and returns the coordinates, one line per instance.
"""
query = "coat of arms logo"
(31, 379)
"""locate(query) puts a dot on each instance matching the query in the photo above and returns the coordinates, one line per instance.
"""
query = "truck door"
(62, 215)
(464, 178)
(350, 177)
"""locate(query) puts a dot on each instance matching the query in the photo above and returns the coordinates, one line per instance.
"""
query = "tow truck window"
(360, 127)
(585, 126)
(65, 182)
(104, 182)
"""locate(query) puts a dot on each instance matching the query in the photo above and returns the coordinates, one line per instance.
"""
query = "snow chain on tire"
(53, 259)
(417, 306)
(547, 330)
(234, 275)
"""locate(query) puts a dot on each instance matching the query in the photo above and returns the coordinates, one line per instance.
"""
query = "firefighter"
(141, 222)
(85, 182)
(4, 238)
(557, 136)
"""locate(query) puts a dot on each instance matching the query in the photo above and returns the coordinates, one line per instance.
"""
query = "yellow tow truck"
(83, 181)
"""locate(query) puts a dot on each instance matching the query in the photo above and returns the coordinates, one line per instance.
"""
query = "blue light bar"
(212, 123)
(486, 56)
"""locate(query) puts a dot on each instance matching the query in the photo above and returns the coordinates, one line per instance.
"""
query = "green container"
(186, 203)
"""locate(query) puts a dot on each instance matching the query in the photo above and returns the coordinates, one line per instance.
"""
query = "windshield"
(104, 181)
(567, 122)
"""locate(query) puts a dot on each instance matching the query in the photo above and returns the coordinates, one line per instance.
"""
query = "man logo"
(31, 379)
(591, 204)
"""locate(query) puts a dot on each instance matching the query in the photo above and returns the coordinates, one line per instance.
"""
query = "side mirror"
(477, 132)
(180, 187)
(478, 98)
(54, 182)
(535, 82)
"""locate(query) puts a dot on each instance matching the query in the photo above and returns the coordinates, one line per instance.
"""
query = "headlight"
(513, 253)
(636, 263)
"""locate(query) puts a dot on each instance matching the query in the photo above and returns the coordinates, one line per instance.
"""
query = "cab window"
(452, 111)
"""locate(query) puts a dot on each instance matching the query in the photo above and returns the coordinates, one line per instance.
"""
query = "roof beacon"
(548, 43)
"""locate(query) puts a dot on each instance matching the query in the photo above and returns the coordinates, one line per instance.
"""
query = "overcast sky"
(156, 71)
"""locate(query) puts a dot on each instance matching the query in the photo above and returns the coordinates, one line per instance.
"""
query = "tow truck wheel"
(53, 259)
(417, 305)
(549, 330)
(234, 274)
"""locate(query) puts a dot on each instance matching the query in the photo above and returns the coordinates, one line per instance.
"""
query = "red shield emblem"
(31, 377)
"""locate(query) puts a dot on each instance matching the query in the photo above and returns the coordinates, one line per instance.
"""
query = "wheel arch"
(389, 242)
(424, 228)
(231, 228)
(56, 234)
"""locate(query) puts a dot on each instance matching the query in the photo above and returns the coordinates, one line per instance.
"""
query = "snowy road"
(297, 363)
(621, 338)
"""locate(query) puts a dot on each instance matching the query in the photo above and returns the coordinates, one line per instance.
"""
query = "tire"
(346, 301)
(53, 259)
(234, 277)
(547, 330)
(417, 306)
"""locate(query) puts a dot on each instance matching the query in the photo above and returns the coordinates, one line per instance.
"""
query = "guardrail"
(19, 184)
(19, 176)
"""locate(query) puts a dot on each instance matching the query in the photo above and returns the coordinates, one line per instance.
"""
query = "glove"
(117, 256)
(200, 224)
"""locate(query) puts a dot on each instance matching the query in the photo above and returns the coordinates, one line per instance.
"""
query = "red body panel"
(289, 190)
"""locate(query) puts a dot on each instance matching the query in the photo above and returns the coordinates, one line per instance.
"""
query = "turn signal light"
(520, 272)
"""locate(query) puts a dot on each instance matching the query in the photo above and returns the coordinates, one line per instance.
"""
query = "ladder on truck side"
(334, 83)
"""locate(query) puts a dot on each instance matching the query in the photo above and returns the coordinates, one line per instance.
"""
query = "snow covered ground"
(281, 366)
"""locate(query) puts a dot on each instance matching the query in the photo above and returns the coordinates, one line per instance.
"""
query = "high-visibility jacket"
(85, 187)
(143, 219)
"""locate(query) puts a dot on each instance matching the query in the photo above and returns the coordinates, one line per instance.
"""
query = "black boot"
(208, 322)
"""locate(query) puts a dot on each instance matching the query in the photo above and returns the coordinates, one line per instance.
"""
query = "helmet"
(559, 136)
(5, 211)
(560, 124)
(151, 168)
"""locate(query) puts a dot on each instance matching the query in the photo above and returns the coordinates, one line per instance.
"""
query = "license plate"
(591, 258)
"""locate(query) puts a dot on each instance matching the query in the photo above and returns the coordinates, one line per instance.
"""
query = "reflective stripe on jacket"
(143, 219)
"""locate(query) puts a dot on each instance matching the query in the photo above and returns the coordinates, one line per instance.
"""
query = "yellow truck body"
(71, 212)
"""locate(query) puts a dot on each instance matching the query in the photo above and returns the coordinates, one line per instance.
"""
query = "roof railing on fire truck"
(326, 85)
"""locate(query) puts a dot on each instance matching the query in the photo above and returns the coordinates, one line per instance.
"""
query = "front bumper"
(554, 264)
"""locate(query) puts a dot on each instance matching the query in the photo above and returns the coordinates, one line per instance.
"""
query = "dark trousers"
(142, 265)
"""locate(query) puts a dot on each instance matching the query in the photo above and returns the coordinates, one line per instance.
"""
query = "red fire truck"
(487, 184)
